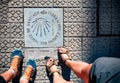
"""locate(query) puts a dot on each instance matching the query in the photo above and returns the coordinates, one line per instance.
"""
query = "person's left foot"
(16, 59)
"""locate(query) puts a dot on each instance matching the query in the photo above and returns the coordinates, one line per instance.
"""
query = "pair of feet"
(16, 65)
(50, 63)
(17, 58)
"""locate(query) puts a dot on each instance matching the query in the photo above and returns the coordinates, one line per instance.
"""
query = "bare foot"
(52, 68)
(63, 50)
(64, 53)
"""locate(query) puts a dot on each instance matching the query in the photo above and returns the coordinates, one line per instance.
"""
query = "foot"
(16, 59)
(29, 70)
(52, 68)
(63, 50)
(64, 54)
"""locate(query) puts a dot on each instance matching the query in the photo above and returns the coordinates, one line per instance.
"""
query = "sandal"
(52, 68)
(64, 52)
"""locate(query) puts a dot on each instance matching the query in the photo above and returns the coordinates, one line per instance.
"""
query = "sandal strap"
(51, 65)
(57, 70)
(67, 59)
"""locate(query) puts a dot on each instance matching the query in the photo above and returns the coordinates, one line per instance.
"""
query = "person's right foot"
(29, 70)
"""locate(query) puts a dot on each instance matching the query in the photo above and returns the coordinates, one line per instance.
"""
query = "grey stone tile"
(15, 3)
(91, 56)
(74, 3)
(45, 3)
(17, 43)
(60, 3)
(103, 43)
(15, 15)
(88, 56)
(115, 44)
(3, 13)
(89, 29)
(74, 43)
(89, 43)
(5, 45)
(105, 3)
(76, 55)
(105, 15)
(89, 3)
(115, 15)
(4, 30)
(116, 3)
(5, 60)
(116, 28)
(89, 14)
(66, 32)
(42, 75)
(105, 28)
(75, 14)
(65, 41)
(75, 29)
(16, 30)
(30, 3)
(65, 14)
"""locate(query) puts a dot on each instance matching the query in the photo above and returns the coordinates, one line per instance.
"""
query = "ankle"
(67, 62)
(23, 80)
(13, 72)
(55, 73)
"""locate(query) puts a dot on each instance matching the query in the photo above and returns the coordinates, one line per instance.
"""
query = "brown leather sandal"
(52, 68)
(65, 52)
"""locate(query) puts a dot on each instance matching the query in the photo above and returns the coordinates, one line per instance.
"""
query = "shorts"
(105, 70)
(2, 80)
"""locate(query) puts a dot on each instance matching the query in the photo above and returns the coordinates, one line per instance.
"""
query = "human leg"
(81, 69)
(16, 58)
(2, 80)
(7, 76)
(29, 71)
(52, 68)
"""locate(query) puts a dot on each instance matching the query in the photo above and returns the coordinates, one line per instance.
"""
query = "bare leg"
(29, 71)
(58, 79)
(16, 58)
(81, 69)
(56, 76)
(8, 75)
(23, 80)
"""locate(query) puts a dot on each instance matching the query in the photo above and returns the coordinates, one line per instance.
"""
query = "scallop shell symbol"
(40, 27)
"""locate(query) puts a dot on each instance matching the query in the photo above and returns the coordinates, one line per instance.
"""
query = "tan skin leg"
(56, 76)
(58, 79)
(81, 69)
(8, 75)
(22, 80)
